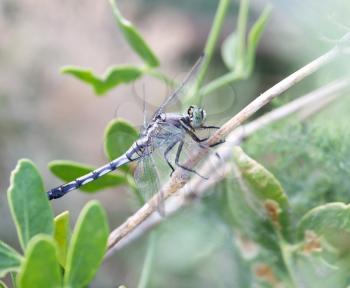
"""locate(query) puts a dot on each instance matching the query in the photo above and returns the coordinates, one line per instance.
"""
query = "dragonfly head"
(197, 116)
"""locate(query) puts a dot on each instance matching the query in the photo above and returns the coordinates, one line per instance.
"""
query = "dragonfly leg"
(177, 158)
(195, 138)
(209, 127)
(213, 127)
(192, 134)
(166, 152)
(198, 140)
(217, 143)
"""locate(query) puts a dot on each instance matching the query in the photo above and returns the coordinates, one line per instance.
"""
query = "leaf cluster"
(52, 255)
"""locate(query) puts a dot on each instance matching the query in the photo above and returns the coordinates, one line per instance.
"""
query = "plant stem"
(238, 72)
(210, 45)
(13, 279)
(149, 259)
(241, 35)
(285, 253)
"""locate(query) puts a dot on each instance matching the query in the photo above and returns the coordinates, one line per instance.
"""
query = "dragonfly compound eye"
(198, 117)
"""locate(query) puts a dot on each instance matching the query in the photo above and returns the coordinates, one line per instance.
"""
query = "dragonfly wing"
(153, 170)
(179, 90)
(148, 182)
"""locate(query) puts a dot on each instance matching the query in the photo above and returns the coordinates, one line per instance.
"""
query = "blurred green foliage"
(311, 162)
(310, 159)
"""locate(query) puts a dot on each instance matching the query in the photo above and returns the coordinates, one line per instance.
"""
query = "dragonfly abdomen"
(60, 191)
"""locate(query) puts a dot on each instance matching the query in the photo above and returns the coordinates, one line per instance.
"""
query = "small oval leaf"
(265, 187)
(69, 170)
(84, 74)
(87, 247)
(40, 267)
(61, 235)
(331, 221)
(118, 75)
(10, 260)
(134, 38)
(254, 39)
(228, 51)
(112, 78)
(119, 136)
(28, 202)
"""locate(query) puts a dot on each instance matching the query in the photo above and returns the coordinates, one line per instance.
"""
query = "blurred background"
(45, 115)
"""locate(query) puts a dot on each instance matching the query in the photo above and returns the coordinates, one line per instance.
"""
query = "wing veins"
(178, 90)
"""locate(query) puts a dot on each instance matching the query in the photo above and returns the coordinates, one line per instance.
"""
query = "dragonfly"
(166, 130)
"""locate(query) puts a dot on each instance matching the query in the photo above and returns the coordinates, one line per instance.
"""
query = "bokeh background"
(46, 116)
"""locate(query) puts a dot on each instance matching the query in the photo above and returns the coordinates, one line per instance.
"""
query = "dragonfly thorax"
(196, 115)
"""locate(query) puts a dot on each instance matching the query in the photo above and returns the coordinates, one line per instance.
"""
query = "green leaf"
(119, 136)
(28, 202)
(331, 221)
(112, 78)
(315, 263)
(61, 235)
(69, 170)
(316, 271)
(267, 192)
(134, 38)
(40, 267)
(228, 51)
(87, 247)
(10, 260)
(254, 38)
(234, 47)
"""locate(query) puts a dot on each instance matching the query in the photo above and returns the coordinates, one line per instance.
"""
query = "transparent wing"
(153, 170)
(181, 87)
(146, 177)
(148, 180)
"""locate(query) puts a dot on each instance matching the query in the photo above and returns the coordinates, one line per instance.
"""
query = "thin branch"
(318, 99)
(179, 178)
